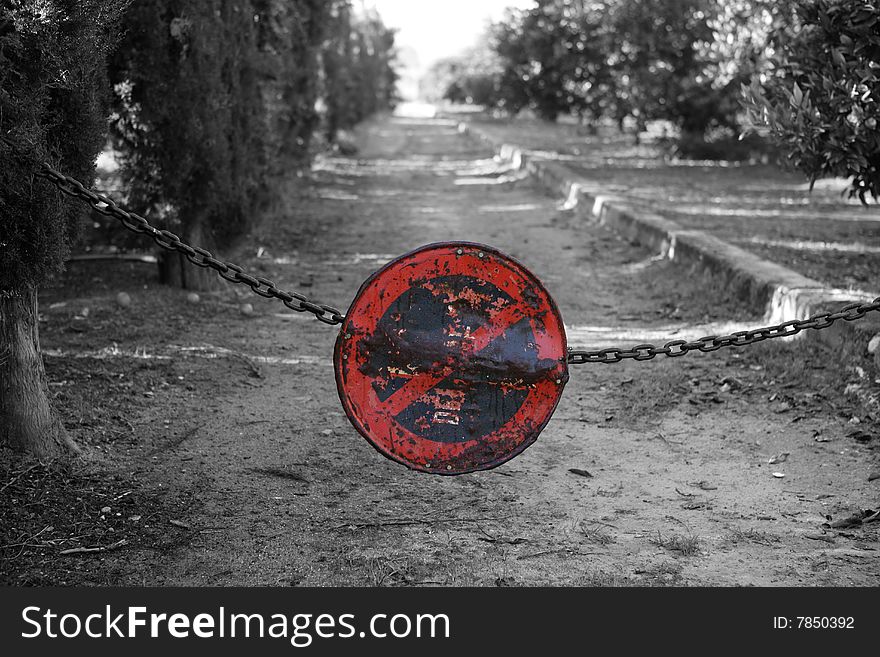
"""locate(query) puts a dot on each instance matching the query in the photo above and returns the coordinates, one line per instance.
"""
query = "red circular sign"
(451, 358)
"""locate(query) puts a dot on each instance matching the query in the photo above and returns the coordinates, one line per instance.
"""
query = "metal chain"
(677, 348)
(171, 242)
(330, 315)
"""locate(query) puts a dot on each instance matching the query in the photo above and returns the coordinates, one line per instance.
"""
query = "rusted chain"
(677, 348)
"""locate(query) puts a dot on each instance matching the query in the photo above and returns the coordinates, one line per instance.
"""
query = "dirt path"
(273, 486)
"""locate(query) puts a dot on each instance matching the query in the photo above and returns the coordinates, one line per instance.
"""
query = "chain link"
(169, 241)
(709, 343)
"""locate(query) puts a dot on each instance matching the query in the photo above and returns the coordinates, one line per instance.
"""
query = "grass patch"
(686, 546)
(597, 536)
(737, 536)
(667, 573)
(649, 397)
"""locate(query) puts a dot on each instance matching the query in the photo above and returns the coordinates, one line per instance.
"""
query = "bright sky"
(439, 28)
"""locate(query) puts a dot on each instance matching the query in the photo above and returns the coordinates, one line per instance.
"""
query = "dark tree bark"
(27, 420)
(175, 270)
(52, 108)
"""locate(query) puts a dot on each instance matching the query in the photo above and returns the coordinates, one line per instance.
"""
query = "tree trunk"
(27, 421)
(641, 126)
(175, 270)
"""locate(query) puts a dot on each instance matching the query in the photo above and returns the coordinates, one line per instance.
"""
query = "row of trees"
(801, 66)
(681, 61)
(216, 99)
(209, 103)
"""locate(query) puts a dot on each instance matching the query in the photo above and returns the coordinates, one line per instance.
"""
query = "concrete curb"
(780, 293)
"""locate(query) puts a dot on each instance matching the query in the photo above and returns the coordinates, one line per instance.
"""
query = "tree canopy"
(807, 71)
(820, 96)
(215, 99)
(53, 104)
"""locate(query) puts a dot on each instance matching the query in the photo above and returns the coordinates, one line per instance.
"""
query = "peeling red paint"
(451, 359)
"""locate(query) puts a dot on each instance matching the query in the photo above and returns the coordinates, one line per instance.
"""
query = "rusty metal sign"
(451, 359)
